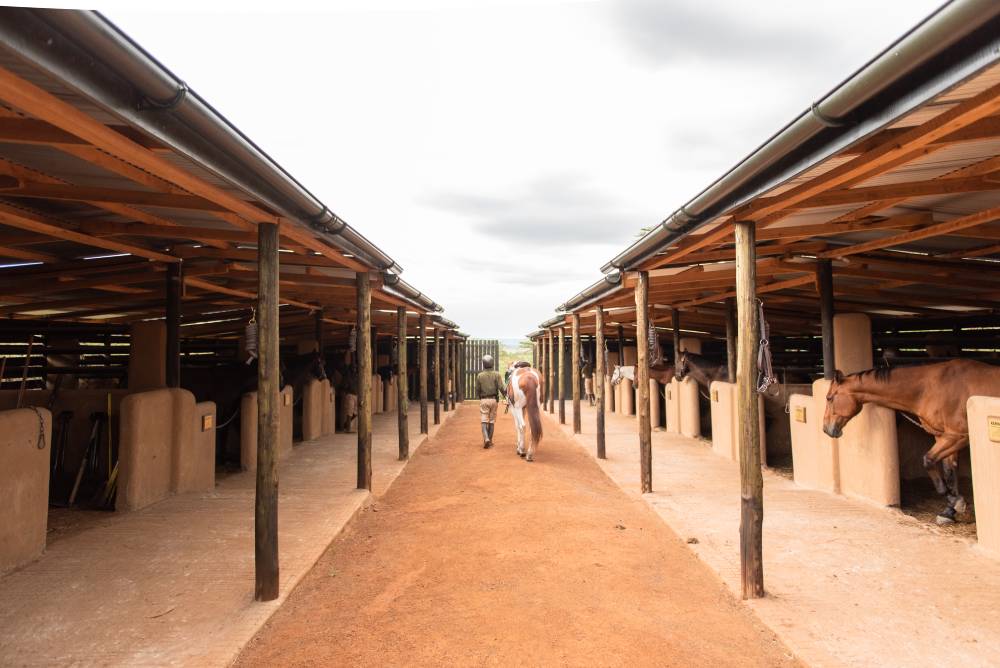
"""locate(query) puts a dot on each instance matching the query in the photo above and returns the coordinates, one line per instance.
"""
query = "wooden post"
(599, 382)
(575, 372)
(552, 371)
(675, 322)
(422, 361)
(365, 346)
(318, 315)
(446, 371)
(731, 338)
(175, 286)
(562, 375)
(268, 412)
(437, 377)
(642, 382)
(747, 415)
(824, 283)
(621, 345)
(402, 388)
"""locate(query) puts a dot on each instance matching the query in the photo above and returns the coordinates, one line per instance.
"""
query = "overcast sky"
(502, 152)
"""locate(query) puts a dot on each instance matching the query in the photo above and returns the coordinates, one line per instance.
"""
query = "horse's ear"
(838, 376)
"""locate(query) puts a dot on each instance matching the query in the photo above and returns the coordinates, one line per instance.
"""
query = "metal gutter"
(87, 53)
(404, 290)
(608, 283)
(958, 39)
(441, 320)
(552, 322)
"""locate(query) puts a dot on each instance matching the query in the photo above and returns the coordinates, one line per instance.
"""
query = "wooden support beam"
(907, 146)
(364, 356)
(731, 338)
(675, 323)
(767, 287)
(174, 289)
(575, 371)
(449, 403)
(901, 191)
(621, 345)
(553, 390)
(824, 286)
(422, 371)
(268, 411)
(748, 417)
(561, 382)
(402, 387)
(437, 377)
(27, 220)
(938, 229)
(642, 382)
(62, 191)
(599, 375)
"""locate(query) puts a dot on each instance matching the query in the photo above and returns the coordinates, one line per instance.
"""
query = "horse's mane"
(880, 374)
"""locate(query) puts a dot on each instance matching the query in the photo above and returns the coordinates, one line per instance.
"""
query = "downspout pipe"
(406, 291)
(89, 54)
(958, 39)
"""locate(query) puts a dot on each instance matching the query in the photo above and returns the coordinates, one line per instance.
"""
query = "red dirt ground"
(475, 557)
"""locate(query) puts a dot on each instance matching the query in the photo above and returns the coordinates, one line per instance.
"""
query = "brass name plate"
(800, 414)
(993, 422)
(287, 398)
(715, 396)
(207, 422)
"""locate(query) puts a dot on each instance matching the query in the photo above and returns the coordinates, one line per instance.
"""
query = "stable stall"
(866, 234)
(176, 305)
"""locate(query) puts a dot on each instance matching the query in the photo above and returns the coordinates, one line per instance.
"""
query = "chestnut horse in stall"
(702, 369)
(524, 394)
(936, 394)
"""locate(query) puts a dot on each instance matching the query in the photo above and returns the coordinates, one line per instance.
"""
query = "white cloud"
(502, 152)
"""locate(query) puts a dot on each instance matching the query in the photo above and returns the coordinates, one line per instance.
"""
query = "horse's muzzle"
(833, 430)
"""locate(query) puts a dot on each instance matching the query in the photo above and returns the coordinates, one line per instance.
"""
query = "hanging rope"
(41, 428)
(765, 371)
(250, 334)
(352, 339)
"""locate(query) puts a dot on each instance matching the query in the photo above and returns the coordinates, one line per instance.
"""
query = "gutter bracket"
(146, 103)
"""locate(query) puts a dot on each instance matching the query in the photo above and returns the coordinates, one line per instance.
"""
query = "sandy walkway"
(475, 557)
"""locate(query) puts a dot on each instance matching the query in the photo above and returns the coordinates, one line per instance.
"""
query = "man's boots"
(486, 434)
(491, 434)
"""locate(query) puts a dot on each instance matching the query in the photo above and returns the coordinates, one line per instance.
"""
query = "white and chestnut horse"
(662, 373)
(524, 393)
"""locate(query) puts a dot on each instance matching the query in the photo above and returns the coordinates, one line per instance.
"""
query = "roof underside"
(907, 215)
(92, 211)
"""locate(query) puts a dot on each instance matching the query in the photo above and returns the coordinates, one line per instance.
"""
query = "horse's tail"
(534, 414)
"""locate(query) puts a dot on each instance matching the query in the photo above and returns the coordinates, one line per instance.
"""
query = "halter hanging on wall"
(765, 370)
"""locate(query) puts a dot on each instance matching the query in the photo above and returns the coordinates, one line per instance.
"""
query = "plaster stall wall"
(317, 409)
(984, 446)
(159, 453)
(864, 462)
(725, 426)
(24, 485)
(248, 427)
(81, 404)
(328, 415)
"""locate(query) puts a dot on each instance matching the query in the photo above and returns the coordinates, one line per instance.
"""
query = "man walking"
(489, 386)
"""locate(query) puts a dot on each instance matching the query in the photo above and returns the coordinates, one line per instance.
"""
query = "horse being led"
(936, 394)
(524, 394)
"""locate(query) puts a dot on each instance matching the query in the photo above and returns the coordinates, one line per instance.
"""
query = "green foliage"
(510, 354)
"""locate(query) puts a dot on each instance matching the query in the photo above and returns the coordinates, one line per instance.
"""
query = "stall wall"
(313, 403)
(158, 451)
(984, 443)
(815, 456)
(688, 408)
(24, 484)
(248, 427)
(725, 426)
(328, 418)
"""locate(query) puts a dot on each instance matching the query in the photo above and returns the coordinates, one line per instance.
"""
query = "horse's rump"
(528, 383)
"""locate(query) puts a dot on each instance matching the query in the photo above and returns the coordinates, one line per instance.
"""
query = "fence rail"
(474, 351)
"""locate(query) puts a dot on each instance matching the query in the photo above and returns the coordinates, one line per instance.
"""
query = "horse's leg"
(955, 498)
(519, 427)
(945, 446)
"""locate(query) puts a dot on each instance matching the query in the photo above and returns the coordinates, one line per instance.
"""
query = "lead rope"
(250, 333)
(765, 374)
(41, 428)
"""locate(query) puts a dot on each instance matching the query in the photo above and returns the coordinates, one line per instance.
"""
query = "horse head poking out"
(524, 394)
(621, 373)
(841, 405)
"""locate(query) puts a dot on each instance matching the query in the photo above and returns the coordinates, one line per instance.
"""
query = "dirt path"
(475, 557)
